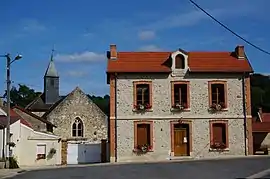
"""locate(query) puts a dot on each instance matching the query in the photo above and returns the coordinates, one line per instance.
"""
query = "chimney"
(240, 52)
(113, 52)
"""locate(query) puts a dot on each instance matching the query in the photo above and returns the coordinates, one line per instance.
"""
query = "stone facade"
(78, 105)
(162, 116)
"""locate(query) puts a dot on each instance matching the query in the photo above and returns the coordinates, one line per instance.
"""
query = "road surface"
(221, 169)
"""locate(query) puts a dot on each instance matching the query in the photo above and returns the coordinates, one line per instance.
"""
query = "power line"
(227, 28)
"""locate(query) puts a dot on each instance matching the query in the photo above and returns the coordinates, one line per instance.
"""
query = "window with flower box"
(217, 95)
(143, 135)
(219, 135)
(142, 95)
(180, 95)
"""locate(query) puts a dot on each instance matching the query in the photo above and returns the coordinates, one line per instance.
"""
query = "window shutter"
(143, 134)
(41, 149)
(217, 133)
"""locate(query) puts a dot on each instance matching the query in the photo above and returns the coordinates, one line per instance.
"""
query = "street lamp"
(9, 62)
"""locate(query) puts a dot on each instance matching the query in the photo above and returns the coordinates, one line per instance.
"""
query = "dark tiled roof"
(39, 105)
(35, 116)
(54, 106)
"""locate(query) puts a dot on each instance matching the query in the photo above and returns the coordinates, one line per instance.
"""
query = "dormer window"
(179, 62)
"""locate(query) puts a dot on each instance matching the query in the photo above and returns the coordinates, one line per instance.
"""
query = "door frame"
(181, 121)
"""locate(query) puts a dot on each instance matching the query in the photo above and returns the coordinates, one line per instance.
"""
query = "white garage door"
(72, 154)
(83, 153)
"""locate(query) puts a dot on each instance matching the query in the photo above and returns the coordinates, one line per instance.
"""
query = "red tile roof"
(265, 117)
(197, 62)
(24, 122)
(261, 127)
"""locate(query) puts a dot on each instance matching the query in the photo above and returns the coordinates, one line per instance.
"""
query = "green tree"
(260, 92)
(22, 95)
(102, 102)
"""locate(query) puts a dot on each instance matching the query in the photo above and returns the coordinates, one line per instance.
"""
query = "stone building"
(76, 116)
(179, 104)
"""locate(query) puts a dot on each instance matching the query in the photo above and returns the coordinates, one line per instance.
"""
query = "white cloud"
(86, 56)
(146, 35)
(150, 48)
(196, 16)
(76, 73)
(32, 25)
(88, 35)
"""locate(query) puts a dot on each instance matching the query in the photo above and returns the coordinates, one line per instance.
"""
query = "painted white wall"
(26, 140)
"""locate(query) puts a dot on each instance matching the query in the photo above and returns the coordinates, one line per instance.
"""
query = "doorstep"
(180, 158)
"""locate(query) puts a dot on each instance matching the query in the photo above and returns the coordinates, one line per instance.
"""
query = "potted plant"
(217, 106)
(179, 106)
(220, 146)
(142, 107)
(142, 149)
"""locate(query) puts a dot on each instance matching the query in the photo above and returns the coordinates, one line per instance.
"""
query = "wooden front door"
(180, 142)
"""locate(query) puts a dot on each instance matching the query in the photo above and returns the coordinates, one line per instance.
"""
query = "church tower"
(51, 83)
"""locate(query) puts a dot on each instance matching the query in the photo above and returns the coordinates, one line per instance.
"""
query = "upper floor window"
(142, 95)
(179, 62)
(77, 128)
(180, 94)
(218, 94)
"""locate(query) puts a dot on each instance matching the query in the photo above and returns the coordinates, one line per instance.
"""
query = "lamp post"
(9, 62)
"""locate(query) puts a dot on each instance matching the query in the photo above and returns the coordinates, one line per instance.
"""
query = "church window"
(77, 128)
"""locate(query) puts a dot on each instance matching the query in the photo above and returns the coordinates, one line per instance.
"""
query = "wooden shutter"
(143, 134)
(217, 133)
(179, 62)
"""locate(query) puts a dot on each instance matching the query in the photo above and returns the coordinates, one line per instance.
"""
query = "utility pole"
(8, 110)
(9, 62)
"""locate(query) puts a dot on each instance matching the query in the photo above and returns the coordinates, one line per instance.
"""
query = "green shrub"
(13, 163)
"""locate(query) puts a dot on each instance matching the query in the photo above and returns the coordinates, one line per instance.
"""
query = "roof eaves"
(35, 116)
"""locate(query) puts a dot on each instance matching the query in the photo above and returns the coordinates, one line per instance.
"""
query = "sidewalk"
(6, 173)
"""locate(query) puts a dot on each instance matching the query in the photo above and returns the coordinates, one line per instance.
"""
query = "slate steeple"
(51, 83)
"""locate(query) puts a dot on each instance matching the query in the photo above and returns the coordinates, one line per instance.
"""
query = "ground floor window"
(219, 134)
(143, 137)
(41, 151)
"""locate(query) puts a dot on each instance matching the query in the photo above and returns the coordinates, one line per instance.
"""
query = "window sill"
(134, 150)
(142, 111)
(178, 110)
(215, 111)
(219, 150)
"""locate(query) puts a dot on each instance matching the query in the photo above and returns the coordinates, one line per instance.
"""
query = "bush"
(13, 163)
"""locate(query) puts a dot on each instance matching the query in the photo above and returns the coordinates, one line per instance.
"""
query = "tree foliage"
(260, 92)
(22, 95)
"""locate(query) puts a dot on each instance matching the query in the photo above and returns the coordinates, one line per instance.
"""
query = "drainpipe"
(115, 119)
(244, 111)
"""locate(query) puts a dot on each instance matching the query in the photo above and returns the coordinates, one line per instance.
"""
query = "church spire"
(51, 70)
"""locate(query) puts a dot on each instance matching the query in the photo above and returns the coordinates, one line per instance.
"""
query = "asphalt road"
(221, 169)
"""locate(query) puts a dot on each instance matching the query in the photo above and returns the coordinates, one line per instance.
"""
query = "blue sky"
(81, 32)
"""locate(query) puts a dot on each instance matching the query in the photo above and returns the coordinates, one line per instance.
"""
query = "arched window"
(179, 62)
(77, 128)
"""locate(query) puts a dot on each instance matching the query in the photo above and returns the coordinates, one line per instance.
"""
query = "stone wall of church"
(78, 105)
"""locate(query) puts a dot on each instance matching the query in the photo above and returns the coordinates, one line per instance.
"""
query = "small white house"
(35, 148)
(31, 148)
